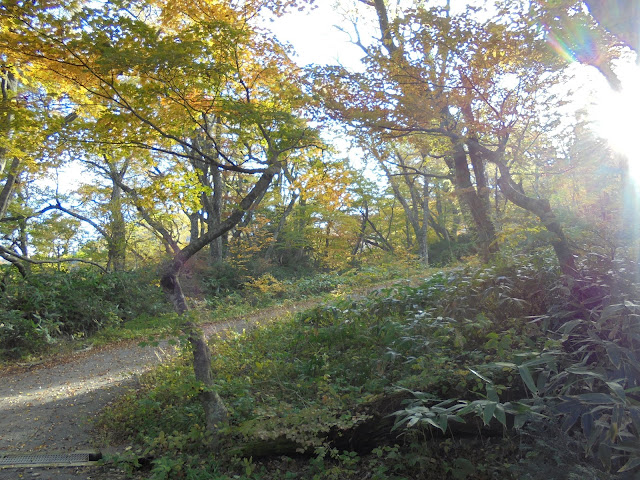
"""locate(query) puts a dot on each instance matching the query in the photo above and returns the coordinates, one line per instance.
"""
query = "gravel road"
(47, 408)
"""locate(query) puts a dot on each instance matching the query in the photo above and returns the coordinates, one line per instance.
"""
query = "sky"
(317, 40)
(615, 116)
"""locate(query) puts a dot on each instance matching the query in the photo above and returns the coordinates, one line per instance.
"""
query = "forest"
(455, 217)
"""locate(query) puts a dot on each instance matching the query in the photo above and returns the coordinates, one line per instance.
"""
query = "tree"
(473, 93)
(162, 75)
(410, 171)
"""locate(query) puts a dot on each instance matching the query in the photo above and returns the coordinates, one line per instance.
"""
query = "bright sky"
(616, 115)
(316, 39)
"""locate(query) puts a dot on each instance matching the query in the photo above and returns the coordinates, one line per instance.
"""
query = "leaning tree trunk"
(214, 408)
(215, 411)
(542, 209)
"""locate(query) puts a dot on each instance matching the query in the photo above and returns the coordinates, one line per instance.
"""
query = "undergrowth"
(47, 306)
(50, 310)
(508, 371)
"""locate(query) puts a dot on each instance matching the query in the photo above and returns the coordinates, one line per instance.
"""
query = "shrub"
(263, 289)
(51, 304)
(20, 336)
(222, 278)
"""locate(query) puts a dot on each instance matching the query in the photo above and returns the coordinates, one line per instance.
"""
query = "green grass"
(299, 379)
(463, 344)
(35, 326)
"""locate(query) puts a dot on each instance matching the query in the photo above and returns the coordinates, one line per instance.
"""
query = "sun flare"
(616, 117)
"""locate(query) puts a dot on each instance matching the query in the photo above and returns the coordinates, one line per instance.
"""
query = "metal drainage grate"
(49, 460)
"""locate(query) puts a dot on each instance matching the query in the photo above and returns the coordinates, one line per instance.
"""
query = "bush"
(222, 278)
(19, 335)
(52, 304)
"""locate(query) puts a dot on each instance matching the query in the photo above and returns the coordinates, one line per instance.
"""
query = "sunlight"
(616, 117)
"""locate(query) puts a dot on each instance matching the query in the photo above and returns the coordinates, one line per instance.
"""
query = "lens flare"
(616, 118)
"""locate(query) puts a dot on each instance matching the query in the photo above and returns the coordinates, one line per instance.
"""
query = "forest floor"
(47, 408)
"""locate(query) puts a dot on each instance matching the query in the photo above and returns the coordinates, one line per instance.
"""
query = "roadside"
(48, 408)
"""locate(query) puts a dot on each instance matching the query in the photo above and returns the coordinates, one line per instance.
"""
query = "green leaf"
(604, 455)
(487, 413)
(462, 469)
(635, 418)
(500, 415)
(587, 423)
(480, 376)
(584, 371)
(519, 421)
(610, 311)
(542, 360)
(593, 438)
(505, 364)
(570, 325)
(601, 398)
(614, 353)
(527, 379)
(455, 418)
(413, 421)
(571, 418)
(630, 465)
(617, 389)
(430, 421)
(443, 422)
(491, 393)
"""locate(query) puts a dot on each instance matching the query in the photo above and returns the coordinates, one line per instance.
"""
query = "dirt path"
(47, 409)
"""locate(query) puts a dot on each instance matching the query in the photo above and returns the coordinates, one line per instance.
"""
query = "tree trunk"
(117, 240)
(385, 244)
(9, 186)
(411, 212)
(194, 225)
(8, 88)
(542, 208)
(471, 200)
(281, 223)
(423, 238)
(24, 244)
(215, 216)
(363, 229)
(215, 411)
(170, 245)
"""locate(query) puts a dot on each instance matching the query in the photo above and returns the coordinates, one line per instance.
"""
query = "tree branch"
(99, 229)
